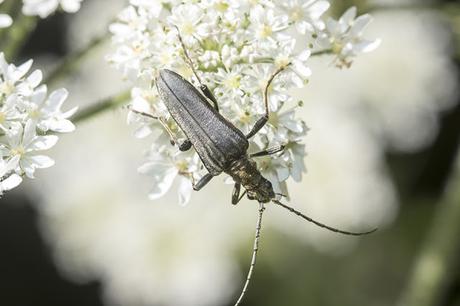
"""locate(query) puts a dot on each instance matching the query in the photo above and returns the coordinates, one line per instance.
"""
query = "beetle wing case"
(216, 140)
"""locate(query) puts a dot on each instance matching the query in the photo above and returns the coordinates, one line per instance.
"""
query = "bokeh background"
(382, 151)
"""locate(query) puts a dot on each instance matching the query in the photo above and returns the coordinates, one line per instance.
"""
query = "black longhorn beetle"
(221, 146)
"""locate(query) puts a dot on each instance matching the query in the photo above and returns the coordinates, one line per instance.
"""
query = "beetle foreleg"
(202, 182)
(269, 151)
(183, 146)
(236, 197)
(208, 94)
(204, 89)
(262, 121)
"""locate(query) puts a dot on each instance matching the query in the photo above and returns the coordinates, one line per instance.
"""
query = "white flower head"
(164, 166)
(236, 48)
(306, 15)
(23, 143)
(27, 114)
(344, 37)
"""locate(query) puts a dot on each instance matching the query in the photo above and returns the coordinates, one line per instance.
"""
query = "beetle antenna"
(333, 229)
(254, 255)
(189, 60)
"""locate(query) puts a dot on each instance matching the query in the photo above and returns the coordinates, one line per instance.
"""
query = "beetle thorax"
(245, 172)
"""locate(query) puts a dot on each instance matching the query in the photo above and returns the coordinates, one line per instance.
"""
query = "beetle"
(221, 146)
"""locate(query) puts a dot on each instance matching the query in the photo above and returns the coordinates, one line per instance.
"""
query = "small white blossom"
(165, 168)
(47, 111)
(344, 37)
(306, 14)
(266, 25)
(24, 142)
(8, 178)
(187, 18)
(44, 8)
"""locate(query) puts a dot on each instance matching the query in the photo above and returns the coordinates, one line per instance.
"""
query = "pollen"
(6, 88)
(182, 166)
(221, 6)
(233, 82)
(245, 117)
(266, 31)
(34, 113)
(337, 47)
(188, 28)
(296, 14)
(18, 151)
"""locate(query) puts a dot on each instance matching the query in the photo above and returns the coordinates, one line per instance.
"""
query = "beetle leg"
(236, 197)
(208, 94)
(202, 182)
(236, 193)
(262, 121)
(183, 146)
(204, 89)
(269, 151)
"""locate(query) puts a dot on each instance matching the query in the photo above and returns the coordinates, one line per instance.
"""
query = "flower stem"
(321, 52)
(438, 259)
(18, 34)
(101, 106)
(72, 60)
(9, 7)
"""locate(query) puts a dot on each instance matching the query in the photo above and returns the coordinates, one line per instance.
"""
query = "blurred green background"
(413, 260)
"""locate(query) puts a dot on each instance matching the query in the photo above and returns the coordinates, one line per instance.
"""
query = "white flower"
(47, 111)
(344, 37)
(165, 170)
(187, 18)
(306, 14)
(256, 82)
(24, 142)
(266, 25)
(8, 178)
(11, 75)
(9, 113)
(44, 8)
(25, 110)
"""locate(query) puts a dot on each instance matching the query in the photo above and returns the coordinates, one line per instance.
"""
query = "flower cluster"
(235, 47)
(27, 116)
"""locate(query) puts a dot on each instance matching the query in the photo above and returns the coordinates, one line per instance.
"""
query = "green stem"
(9, 7)
(18, 34)
(101, 106)
(438, 259)
(71, 61)
(322, 52)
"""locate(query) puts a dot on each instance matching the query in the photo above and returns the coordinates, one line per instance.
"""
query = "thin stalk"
(101, 106)
(10, 7)
(73, 60)
(439, 256)
(18, 34)
(322, 52)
